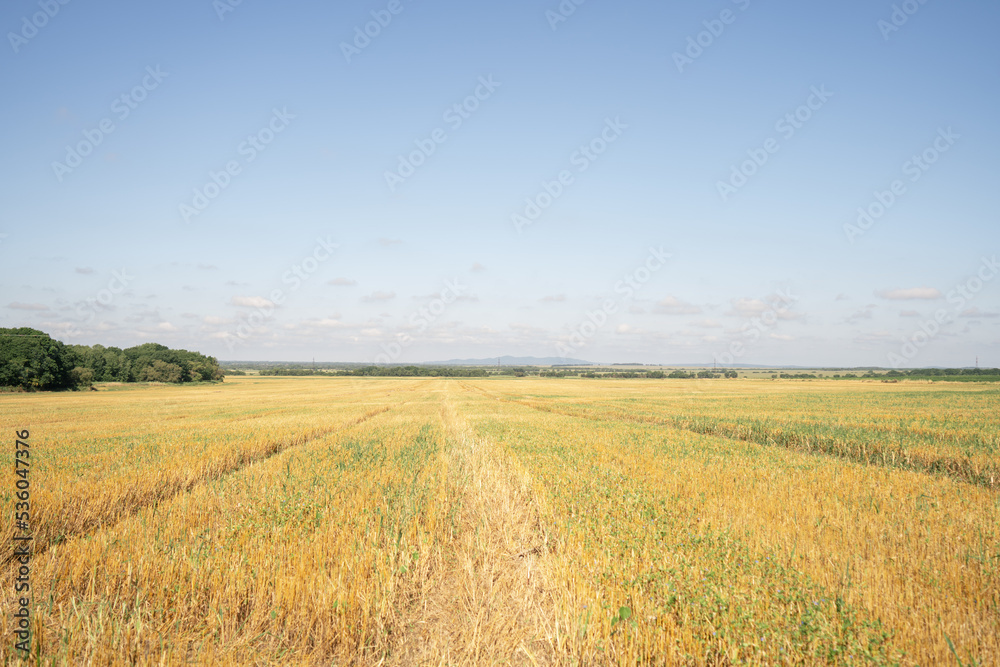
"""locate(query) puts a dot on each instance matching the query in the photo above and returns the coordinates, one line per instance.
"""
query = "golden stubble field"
(497, 521)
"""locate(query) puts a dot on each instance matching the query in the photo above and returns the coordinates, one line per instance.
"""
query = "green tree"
(82, 377)
(32, 360)
(161, 371)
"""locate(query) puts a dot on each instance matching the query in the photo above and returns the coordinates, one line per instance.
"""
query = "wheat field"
(535, 521)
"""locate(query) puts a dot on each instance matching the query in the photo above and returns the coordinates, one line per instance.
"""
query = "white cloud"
(252, 302)
(671, 305)
(379, 296)
(874, 337)
(975, 312)
(928, 293)
(17, 305)
(747, 307)
(863, 314)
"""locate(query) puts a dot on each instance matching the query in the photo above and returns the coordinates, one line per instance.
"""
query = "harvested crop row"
(489, 604)
(82, 484)
(308, 556)
(721, 550)
(961, 453)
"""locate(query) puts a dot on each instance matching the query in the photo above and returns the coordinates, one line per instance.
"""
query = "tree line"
(380, 371)
(32, 360)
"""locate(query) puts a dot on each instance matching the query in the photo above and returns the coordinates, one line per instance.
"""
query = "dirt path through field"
(489, 604)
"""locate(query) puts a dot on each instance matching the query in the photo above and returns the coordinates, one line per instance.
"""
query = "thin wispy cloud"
(865, 313)
(252, 302)
(976, 312)
(342, 282)
(17, 305)
(378, 296)
(925, 293)
(671, 305)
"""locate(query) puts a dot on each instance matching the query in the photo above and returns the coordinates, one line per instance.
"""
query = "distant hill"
(513, 361)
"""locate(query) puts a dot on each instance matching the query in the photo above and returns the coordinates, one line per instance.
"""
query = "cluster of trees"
(32, 360)
(950, 374)
(149, 362)
(659, 375)
(704, 375)
(465, 371)
(945, 372)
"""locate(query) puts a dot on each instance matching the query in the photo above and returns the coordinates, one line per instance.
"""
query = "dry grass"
(649, 509)
(489, 604)
(397, 522)
(917, 426)
(98, 457)
(307, 556)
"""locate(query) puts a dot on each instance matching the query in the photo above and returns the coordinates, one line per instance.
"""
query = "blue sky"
(819, 108)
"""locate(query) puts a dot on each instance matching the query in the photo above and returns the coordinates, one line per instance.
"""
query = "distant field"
(401, 521)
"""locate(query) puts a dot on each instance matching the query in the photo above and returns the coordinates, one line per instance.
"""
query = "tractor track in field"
(44, 539)
(489, 603)
(959, 468)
